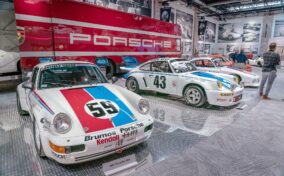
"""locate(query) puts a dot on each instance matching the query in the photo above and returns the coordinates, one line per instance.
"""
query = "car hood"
(94, 108)
(210, 77)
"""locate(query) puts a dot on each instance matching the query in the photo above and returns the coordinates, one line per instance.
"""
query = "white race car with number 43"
(179, 77)
(77, 116)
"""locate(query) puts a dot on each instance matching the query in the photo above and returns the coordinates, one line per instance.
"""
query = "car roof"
(202, 58)
(41, 65)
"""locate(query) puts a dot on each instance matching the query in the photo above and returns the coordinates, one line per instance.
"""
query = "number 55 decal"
(160, 82)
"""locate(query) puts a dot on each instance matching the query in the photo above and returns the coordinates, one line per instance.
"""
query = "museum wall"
(185, 17)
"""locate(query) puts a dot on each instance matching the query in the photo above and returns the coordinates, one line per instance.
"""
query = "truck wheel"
(110, 70)
(259, 64)
(194, 96)
(132, 85)
(37, 140)
(19, 107)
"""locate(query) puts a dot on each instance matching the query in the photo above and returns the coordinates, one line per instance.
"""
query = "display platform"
(177, 128)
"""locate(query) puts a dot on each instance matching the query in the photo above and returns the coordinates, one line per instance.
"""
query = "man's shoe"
(266, 97)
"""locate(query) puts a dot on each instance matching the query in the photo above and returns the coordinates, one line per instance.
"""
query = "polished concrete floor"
(186, 141)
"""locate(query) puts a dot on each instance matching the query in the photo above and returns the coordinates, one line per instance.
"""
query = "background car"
(78, 116)
(258, 61)
(215, 65)
(179, 77)
(9, 62)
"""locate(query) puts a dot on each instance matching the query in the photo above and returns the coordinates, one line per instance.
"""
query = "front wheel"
(194, 96)
(259, 64)
(37, 139)
(132, 85)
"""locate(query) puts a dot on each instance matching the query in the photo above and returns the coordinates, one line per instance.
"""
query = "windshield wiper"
(56, 84)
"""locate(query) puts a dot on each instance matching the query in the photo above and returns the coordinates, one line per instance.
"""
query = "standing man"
(270, 60)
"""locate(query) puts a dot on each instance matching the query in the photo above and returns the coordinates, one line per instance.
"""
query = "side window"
(161, 67)
(146, 67)
(199, 63)
(208, 63)
(34, 76)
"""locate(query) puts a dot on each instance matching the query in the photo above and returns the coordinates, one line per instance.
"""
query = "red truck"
(72, 30)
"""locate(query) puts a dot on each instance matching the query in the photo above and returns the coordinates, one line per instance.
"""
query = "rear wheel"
(259, 64)
(37, 139)
(194, 96)
(19, 107)
(132, 85)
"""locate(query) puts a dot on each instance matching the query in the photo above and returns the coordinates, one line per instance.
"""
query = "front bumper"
(225, 98)
(98, 147)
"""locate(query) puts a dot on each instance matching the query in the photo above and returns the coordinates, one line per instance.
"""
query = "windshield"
(64, 75)
(182, 67)
(218, 62)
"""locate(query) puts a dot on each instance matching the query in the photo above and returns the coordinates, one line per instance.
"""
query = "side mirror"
(114, 79)
(27, 76)
(27, 85)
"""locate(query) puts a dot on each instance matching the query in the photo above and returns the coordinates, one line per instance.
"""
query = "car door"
(162, 79)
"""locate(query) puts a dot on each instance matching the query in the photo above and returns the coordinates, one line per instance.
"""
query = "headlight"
(143, 106)
(62, 123)
(219, 84)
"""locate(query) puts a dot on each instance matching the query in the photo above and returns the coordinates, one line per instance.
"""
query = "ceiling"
(243, 7)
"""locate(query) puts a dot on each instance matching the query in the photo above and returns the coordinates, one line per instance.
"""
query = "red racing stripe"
(77, 98)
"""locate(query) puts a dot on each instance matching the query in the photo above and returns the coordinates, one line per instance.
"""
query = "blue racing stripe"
(124, 116)
(225, 83)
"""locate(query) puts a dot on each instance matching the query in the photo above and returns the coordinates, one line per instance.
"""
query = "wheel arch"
(194, 84)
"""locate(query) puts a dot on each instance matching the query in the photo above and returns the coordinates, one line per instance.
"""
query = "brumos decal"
(100, 136)
(114, 41)
(103, 109)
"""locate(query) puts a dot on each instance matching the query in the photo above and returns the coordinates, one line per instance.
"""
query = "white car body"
(97, 136)
(258, 61)
(249, 79)
(174, 83)
(9, 61)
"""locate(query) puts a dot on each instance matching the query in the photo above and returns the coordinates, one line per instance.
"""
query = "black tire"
(259, 64)
(19, 70)
(110, 70)
(38, 145)
(194, 96)
(132, 85)
(19, 107)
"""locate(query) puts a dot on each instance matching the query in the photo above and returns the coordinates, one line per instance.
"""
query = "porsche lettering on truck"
(77, 116)
(118, 41)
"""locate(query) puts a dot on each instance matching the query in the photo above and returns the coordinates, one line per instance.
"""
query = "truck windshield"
(64, 75)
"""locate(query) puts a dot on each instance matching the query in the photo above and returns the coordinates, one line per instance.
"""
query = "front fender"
(22, 95)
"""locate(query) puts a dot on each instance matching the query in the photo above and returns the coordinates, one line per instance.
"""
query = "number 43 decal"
(160, 82)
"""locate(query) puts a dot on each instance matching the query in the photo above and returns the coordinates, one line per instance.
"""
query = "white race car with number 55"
(77, 116)
(179, 77)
